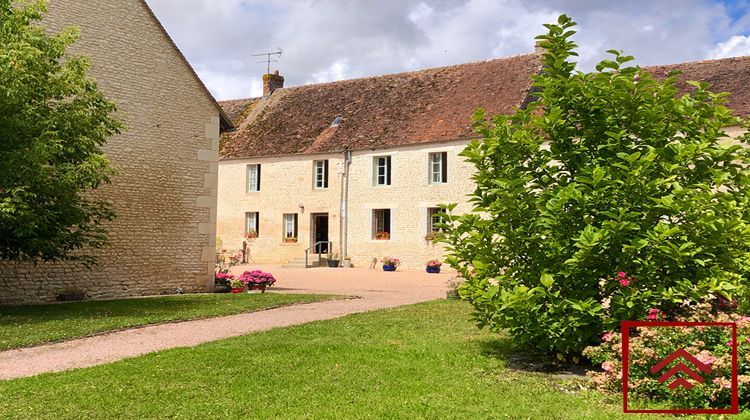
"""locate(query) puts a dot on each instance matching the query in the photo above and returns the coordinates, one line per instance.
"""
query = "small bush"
(648, 345)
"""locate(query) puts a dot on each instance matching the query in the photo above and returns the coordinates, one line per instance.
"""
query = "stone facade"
(165, 195)
(287, 187)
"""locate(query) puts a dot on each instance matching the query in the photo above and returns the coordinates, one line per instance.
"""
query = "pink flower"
(653, 314)
(607, 336)
(622, 274)
(706, 358)
(724, 383)
(624, 282)
(608, 366)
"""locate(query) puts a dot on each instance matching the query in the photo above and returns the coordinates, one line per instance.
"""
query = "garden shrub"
(710, 345)
(605, 172)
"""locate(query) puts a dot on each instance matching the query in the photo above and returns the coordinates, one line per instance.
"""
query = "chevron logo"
(680, 368)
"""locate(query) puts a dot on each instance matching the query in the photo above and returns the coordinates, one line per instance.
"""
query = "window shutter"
(325, 173)
(295, 225)
(387, 221)
(257, 188)
(388, 170)
(444, 164)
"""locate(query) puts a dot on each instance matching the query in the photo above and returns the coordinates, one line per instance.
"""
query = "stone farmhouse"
(359, 167)
(165, 195)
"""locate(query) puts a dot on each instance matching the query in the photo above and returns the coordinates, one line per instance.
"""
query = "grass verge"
(22, 326)
(420, 361)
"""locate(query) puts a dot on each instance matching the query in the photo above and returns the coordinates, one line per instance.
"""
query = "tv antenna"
(269, 58)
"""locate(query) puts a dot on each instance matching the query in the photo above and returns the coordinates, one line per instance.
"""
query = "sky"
(327, 40)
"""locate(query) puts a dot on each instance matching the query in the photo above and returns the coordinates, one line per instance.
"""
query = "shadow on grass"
(527, 361)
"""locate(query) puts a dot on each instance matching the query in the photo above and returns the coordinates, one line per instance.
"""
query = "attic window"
(336, 122)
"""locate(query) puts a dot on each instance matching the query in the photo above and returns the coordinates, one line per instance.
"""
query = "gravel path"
(374, 290)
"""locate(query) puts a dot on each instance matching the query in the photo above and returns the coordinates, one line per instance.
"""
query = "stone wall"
(165, 195)
(287, 183)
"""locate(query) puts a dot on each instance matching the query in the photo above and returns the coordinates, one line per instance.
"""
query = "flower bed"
(648, 345)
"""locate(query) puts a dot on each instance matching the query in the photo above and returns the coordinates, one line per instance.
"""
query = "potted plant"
(71, 294)
(431, 236)
(433, 266)
(453, 285)
(223, 282)
(382, 236)
(257, 280)
(347, 262)
(237, 286)
(290, 239)
(251, 234)
(333, 260)
(390, 263)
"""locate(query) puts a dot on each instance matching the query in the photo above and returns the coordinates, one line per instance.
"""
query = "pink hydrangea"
(706, 358)
(607, 336)
(257, 277)
(653, 314)
(608, 366)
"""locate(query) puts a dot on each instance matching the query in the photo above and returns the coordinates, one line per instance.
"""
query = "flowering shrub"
(434, 263)
(257, 277)
(391, 261)
(225, 260)
(612, 170)
(648, 345)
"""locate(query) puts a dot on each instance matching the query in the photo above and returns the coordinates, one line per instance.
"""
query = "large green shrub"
(606, 172)
(53, 123)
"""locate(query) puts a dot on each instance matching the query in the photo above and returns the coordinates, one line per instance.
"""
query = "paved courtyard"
(368, 290)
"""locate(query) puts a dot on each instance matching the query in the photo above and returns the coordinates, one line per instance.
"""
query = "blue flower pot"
(388, 267)
(433, 270)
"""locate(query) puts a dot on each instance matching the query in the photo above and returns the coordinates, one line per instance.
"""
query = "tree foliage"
(53, 123)
(606, 172)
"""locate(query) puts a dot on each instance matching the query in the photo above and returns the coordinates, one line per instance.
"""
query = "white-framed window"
(253, 177)
(290, 227)
(251, 224)
(382, 170)
(438, 168)
(320, 174)
(433, 219)
(381, 224)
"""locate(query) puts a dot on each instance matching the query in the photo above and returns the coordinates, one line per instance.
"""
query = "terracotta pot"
(238, 289)
(256, 287)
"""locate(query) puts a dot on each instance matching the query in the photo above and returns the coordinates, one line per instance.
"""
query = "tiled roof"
(417, 107)
(725, 75)
(377, 112)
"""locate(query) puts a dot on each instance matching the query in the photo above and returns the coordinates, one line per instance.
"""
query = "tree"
(608, 196)
(53, 123)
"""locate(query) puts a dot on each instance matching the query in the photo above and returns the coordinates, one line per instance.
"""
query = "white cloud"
(325, 40)
(735, 46)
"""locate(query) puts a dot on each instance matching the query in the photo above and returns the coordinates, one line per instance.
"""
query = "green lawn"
(421, 361)
(26, 325)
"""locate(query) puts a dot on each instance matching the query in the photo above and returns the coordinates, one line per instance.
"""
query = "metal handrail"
(320, 252)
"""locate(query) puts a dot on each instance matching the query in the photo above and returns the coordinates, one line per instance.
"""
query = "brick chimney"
(272, 82)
